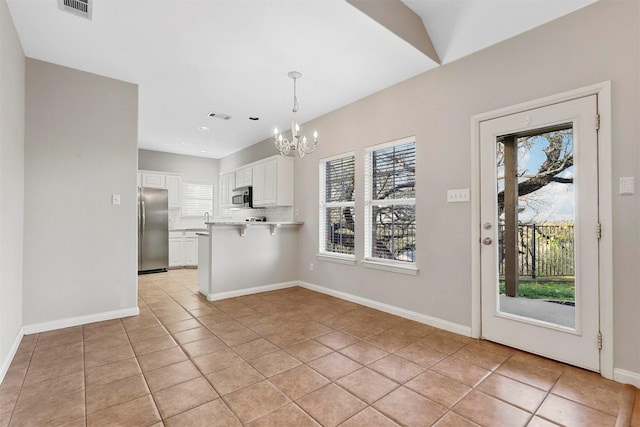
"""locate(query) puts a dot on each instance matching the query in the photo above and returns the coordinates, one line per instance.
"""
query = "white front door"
(539, 231)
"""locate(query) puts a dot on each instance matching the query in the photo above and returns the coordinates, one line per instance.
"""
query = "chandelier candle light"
(301, 145)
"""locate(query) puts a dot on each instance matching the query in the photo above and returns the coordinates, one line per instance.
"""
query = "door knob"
(487, 241)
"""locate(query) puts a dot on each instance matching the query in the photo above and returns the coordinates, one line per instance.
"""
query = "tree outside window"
(337, 206)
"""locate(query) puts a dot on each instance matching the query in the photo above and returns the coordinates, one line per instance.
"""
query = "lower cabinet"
(183, 249)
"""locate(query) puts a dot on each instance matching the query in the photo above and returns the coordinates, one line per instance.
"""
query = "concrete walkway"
(559, 314)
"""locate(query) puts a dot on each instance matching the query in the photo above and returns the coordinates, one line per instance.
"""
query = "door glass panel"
(536, 225)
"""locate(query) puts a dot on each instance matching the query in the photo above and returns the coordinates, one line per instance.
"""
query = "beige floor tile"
(99, 397)
(58, 386)
(53, 410)
(213, 362)
(513, 392)
(288, 415)
(103, 329)
(152, 345)
(390, 340)
(438, 388)
(421, 353)
(308, 350)
(146, 333)
(233, 378)
(183, 325)
(568, 413)
(334, 365)
(54, 369)
(480, 357)
(162, 358)
(274, 363)
(336, 340)
(140, 412)
(451, 419)
(367, 385)
(363, 352)
(408, 408)
(369, 417)
(287, 339)
(299, 381)
(182, 397)
(254, 349)
(461, 371)
(171, 375)
(331, 405)
(94, 359)
(396, 368)
(536, 421)
(441, 342)
(112, 372)
(205, 346)
(488, 411)
(595, 394)
(524, 372)
(192, 335)
(255, 401)
(104, 343)
(203, 415)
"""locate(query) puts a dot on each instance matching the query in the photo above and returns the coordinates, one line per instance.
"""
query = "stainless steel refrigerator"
(153, 230)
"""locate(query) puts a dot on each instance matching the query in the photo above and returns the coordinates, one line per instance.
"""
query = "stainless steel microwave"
(242, 197)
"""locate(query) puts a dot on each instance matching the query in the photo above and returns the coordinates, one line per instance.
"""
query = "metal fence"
(543, 250)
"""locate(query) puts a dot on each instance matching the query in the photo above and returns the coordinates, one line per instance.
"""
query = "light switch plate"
(115, 199)
(627, 186)
(458, 196)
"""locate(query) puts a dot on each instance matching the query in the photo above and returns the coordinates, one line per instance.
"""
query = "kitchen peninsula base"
(240, 258)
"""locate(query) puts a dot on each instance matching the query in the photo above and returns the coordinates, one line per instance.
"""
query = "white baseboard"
(12, 352)
(80, 320)
(626, 377)
(250, 291)
(407, 314)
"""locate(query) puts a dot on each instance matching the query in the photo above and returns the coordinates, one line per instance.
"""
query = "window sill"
(410, 270)
(337, 259)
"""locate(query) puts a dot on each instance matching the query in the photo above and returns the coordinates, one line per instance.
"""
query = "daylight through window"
(390, 214)
(197, 199)
(337, 216)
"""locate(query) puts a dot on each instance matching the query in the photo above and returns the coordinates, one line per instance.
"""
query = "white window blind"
(196, 199)
(390, 214)
(337, 206)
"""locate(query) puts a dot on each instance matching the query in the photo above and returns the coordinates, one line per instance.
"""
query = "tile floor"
(285, 358)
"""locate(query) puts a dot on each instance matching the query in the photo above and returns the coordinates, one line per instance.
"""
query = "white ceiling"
(192, 57)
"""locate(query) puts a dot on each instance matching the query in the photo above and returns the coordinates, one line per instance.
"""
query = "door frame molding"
(605, 246)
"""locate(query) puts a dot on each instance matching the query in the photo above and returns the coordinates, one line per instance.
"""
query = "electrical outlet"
(458, 196)
(115, 199)
(310, 266)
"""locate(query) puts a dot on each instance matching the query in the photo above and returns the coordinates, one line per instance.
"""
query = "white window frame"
(404, 267)
(323, 205)
(184, 197)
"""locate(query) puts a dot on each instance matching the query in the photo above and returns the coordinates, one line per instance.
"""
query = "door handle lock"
(487, 241)
(486, 226)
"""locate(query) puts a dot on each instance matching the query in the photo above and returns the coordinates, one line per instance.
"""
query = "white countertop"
(215, 223)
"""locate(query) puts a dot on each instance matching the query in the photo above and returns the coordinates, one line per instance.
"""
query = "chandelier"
(301, 145)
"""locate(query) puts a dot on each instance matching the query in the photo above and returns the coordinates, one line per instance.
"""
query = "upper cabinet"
(152, 180)
(243, 177)
(174, 189)
(227, 184)
(273, 182)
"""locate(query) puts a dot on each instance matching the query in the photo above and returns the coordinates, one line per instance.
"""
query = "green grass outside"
(564, 291)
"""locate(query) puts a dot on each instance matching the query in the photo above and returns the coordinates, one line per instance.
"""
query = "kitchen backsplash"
(275, 214)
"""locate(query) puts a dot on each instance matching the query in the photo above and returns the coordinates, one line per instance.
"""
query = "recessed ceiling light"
(183, 143)
(203, 151)
(203, 128)
(254, 118)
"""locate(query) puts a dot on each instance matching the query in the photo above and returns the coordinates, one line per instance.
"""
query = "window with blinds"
(390, 197)
(196, 199)
(337, 205)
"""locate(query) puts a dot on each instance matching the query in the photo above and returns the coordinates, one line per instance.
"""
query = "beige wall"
(80, 251)
(11, 185)
(594, 44)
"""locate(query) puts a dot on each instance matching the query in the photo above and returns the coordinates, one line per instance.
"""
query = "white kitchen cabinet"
(176, 251)
(152, 180)
(259, 175)
(174, 189)
(243, 177)
(227, 184)
(191, 251)
(273, 182)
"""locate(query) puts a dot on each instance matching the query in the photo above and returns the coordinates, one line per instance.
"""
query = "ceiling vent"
(81, 8)
(221, 116)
